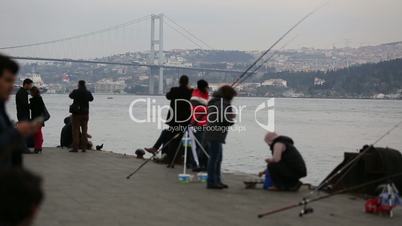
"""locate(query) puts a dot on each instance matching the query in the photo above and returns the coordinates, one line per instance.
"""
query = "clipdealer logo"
(155, 113)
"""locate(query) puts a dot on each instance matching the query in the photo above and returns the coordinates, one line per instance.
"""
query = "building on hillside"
(110, 86)
(275, 82)
(319, 81)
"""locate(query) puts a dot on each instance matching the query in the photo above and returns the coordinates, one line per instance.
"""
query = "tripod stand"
(187, 140)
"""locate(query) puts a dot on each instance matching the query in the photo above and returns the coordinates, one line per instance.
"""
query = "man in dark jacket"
(220, 118)
(21, 100)
(80, 115)
(286, 166)
(12, 143)
(179, 115)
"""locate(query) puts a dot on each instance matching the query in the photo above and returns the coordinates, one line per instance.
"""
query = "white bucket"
(184, 178)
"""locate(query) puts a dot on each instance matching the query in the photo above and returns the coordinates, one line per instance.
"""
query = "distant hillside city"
(364, 72)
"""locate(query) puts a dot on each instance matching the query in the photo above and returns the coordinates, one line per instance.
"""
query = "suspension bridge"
(93, 47)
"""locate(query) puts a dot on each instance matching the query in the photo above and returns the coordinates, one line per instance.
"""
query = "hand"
(262, 173)
(26, 128)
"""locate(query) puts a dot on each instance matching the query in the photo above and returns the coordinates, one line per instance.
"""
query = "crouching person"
(286, 166)
(220, 117)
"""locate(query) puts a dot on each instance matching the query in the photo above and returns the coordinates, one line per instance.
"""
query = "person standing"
(199, 102)
(80, 115)
(21, 100)
(179, 115)
(38, 109)
(220, 117)
(12, 143)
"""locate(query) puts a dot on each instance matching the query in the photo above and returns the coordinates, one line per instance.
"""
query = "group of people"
(209, 119)
(21, 191)
(29, 109)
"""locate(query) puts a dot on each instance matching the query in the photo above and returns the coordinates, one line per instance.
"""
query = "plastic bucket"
(202, 177)
(184, 178)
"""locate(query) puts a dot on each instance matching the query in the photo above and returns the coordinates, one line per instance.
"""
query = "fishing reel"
(306, 209)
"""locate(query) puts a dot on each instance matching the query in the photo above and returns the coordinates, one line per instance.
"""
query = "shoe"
(36, 151)
(214, 187)
(73, 150)
(225, 186)
(83, 150)
(151, 150)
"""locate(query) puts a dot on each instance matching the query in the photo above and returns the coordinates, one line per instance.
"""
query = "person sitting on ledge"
(286, 166)
(66, 135)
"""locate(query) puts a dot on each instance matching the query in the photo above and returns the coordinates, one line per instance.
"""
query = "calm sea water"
(322, 128)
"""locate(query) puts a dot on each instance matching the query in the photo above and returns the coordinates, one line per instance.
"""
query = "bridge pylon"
(156, 55)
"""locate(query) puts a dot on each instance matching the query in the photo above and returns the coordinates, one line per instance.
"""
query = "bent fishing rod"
(152, 157)
(348, 166)
(246, 72)
(306, 201)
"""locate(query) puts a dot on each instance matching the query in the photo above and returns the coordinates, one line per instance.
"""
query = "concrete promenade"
(91, 189)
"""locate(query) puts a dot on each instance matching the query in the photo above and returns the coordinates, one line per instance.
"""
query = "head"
(202, 85)
(21, 195)
(183, 81)
(227, 92)
(81, 84)
(270, 137)
(35, 91)
(8, 73)
(27, 84)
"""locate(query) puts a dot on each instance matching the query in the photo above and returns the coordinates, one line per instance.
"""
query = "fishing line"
(265, 61)
(246, 72)
(306, 201)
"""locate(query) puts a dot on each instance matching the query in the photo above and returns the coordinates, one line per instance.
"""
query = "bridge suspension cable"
(188, 32)
(111, 28)
(184, 35)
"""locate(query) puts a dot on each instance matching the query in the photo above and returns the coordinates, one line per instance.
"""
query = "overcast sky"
(223, 24)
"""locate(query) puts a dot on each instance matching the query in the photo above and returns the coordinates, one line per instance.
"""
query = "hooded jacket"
(219, 118)
(199, 102)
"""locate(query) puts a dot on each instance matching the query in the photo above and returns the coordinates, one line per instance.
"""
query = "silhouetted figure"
(178, 118)
(21, 195)
(21, 100)
(12, 138)
(220, 117)
(66, 135)
(38, 109)
(80, 115)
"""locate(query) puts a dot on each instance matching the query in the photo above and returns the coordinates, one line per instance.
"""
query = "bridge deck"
(91, 189)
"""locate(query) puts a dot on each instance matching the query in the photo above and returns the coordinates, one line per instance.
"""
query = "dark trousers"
(80, 123)
(165, 136)
(283, 177)
(174, 146)
(214, 163)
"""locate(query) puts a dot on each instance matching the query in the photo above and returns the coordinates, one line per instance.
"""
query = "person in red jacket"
(199, 102)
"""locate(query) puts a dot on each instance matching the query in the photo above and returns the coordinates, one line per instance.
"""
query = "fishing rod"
(277, 41)
(152, 157)
(265, 61)
(306, 201)
(348, 165)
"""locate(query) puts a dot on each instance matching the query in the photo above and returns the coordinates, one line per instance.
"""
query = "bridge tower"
(156, 55)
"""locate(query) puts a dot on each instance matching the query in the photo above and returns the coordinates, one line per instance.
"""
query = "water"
(322, 128)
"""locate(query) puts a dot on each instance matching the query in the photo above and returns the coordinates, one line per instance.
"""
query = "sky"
(222, 24)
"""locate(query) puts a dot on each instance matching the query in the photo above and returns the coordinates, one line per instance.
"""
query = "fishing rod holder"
(306, 209)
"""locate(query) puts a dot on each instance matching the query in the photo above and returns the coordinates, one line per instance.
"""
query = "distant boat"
(109, 98)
